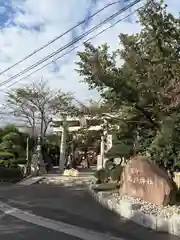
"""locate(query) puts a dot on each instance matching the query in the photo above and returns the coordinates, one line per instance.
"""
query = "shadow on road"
(75, 206)
(14, 229)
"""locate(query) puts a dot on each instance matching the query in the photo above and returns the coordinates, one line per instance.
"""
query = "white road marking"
(79, 232)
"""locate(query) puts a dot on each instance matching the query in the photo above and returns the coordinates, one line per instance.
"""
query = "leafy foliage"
(109, 165)
(122, 147)
(102, 175)
(145, 87)
(111, 172)
(13, 141)
(116, 172)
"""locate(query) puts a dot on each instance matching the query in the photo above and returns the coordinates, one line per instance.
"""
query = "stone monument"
(145, 180)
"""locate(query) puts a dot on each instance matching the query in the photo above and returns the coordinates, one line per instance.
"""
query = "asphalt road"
(72, 206)
(13, 228)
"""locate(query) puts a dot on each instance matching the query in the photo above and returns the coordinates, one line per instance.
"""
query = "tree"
(13, 141)
(94, 108)
(145, 87)
(37, 103)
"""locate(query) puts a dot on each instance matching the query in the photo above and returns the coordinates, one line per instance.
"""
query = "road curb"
(24, 179)
(124, 208)
(31, 180)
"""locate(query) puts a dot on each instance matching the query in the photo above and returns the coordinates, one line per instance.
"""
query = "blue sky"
(5, 13)
(28, 24)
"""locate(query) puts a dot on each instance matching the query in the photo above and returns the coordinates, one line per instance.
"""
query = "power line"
(70, 43)
(58, 37)
(61, 56)
(74, 48)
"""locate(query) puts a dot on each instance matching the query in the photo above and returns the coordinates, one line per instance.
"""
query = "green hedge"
(109, 172)
(19, 161)
(13, 162)
(6, 154)
(13, 173)
(102, 175)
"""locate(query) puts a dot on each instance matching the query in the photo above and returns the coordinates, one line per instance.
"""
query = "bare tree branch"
(37, 103)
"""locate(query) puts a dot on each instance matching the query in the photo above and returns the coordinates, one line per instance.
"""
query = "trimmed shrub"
(6, 155)
(8, 174)
(21, 161)
(106, 187)
(109, 165)
(2, 162)
(13, 163)
(116, 172)
(102, 175)
(5, 163)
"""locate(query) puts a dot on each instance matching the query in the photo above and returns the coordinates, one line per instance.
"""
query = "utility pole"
(41, 163)
(27, 149)
(101, 160)
(33, 125)
(62, 159)
(42, 127)
(27, 169)
(103, 139)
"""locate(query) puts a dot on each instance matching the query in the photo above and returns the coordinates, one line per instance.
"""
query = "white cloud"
(54, 17)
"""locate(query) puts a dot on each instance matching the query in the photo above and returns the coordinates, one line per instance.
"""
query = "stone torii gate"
(65, 124)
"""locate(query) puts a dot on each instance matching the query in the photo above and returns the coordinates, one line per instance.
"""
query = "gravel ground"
(148, 208)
